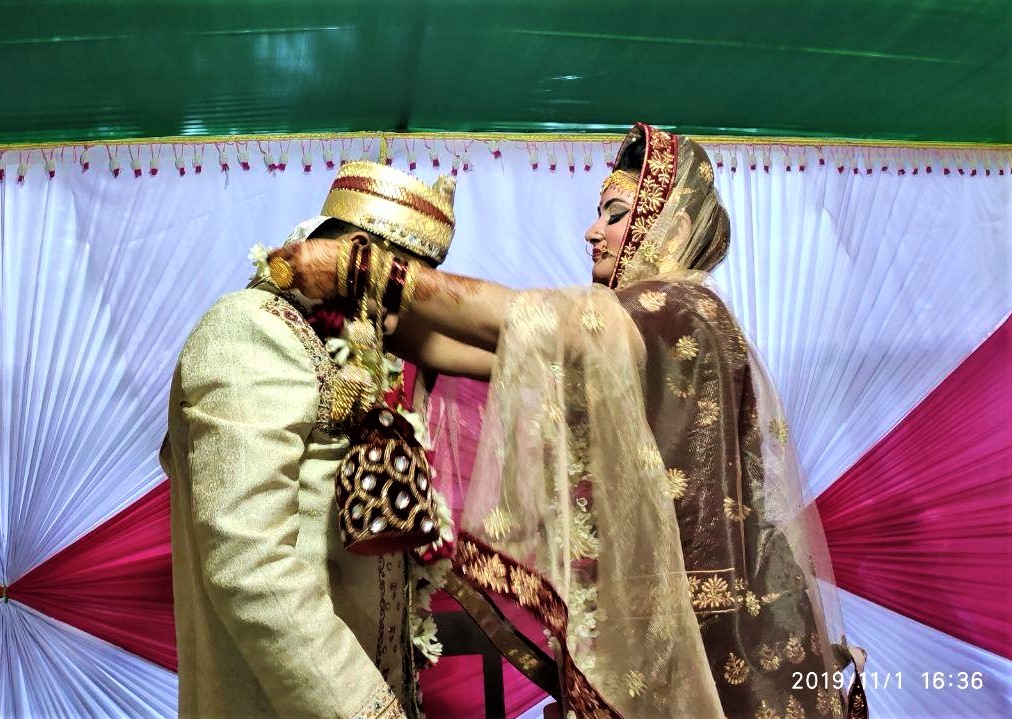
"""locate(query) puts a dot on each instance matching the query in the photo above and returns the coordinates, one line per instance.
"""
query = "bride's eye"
(617, 216)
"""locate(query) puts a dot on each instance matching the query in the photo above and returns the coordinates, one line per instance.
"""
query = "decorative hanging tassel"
(50, 166)
(734, 161)
(22, 172)
(571, 160)
(433, 156)
(269, 162)
(85, 163)
(551, 159)
(609, 160)
(283, 160)
(588, 160)
(198, 159)
(180, 164)
(822, 158)
(455, 165)
(412, 159)
(223, 159)
(466, 159)
(345, 154)
(307, 159)
(496, 152)
(243, 155)
(3, 171)
(114, 164)
(153, 163)
(135, 163)
(532, 155)
(787, 160)
(751, 160)
(766, 160)
(328, 156)
(718, 158)
(803, 160)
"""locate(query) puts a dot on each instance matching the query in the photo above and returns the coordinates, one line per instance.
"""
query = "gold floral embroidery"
(708, 412)
(735, 510)
(771, 597)
(488, 571)
(650, 252)
(740, 585)
(816, 647)
(497, 523)
(707, 308)
(525, 586)
(822, 701)
(765, 711)
(681, 390)
(735, 669)
(592, 321)
(794, 650)
(779, 430)
(662, 140)
(524, 661)
(635, 682)
(828, 703)
(752, 604)
(653, 300)
(795, 710)
(693, 584)
(640, 227)
(768, 658)
(678, 482)
(651, 196)
(686, 348)
(713, 594)
(660, 165)
(650, 458)
(706, 172)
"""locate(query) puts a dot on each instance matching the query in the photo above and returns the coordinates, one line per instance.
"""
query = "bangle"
(394, 291)
(408, 293)
(343, 263)
(349, 279)
(360, 272)
(379, 275)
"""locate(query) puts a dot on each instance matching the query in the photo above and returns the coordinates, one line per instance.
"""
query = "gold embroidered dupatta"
(635, 487)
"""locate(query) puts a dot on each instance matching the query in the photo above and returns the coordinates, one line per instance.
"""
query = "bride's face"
(605, 235)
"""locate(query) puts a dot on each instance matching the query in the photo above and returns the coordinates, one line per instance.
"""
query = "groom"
(273, 616)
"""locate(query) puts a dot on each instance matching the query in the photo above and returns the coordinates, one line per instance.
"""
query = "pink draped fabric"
(922, 524)
(115, 582)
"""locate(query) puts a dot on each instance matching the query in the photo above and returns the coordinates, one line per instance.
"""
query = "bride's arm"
(462, 308)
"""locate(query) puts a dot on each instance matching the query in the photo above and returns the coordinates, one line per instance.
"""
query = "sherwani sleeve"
(250, 399)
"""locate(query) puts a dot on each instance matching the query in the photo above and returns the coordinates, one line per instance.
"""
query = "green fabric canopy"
(887, 69)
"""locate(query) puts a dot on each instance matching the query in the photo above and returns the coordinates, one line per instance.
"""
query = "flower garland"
(431, 563)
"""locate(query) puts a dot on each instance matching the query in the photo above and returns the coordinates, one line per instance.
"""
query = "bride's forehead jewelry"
(621, 180)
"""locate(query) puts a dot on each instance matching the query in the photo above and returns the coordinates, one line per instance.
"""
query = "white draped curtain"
(863, 277)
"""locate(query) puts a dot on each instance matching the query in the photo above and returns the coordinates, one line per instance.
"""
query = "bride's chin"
(602, 270)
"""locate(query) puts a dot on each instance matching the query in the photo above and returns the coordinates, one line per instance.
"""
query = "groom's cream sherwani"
(273, 617)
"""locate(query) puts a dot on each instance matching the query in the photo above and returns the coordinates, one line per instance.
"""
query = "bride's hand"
(310, 267)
